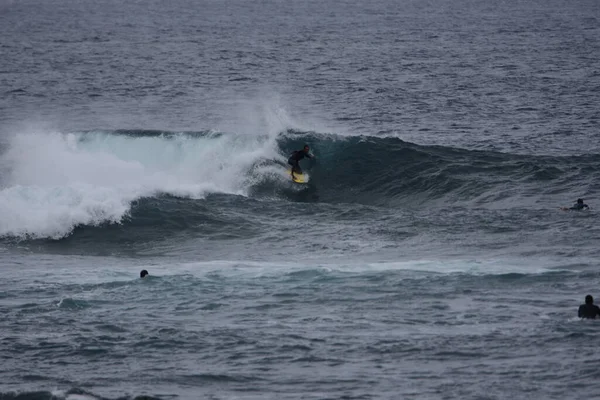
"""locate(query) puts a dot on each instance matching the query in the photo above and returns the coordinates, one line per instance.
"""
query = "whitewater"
(58, 181)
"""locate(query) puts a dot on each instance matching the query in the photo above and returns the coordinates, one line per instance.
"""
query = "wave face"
(53, 183)
(391, 172)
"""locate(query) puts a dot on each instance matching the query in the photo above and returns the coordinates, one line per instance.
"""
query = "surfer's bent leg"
(295, 166)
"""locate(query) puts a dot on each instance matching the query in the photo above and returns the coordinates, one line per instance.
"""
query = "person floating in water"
(589, 309)
(579, 206)
(143, 273)
(295, 158)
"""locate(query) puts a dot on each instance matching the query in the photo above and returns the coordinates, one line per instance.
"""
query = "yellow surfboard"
(298, 178)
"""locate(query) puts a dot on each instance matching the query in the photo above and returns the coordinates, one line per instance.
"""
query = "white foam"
(437, 266)
(80, 397)
(471, 267)
(52, 182)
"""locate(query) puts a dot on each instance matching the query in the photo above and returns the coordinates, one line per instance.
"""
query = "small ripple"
(214, 378)
(110, 328)
(73, 304)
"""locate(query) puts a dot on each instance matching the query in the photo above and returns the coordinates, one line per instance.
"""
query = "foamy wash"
(427, 257)
(59, 181)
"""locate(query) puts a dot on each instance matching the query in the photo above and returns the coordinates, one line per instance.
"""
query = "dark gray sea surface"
(426, 258)
(293, 330)
(515, 76)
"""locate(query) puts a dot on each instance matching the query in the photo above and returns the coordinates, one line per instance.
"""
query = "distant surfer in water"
(589, 309)
(143, 273)
(295, 158)
(579, 206)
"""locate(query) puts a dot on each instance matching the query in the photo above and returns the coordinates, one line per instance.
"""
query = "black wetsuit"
(579, 206)
(295, 158)
(588, 311)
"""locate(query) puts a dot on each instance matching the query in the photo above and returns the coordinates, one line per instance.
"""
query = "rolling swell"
(222, 185)
(391, 172)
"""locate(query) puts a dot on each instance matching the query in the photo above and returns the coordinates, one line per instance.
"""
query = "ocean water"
(427, 258)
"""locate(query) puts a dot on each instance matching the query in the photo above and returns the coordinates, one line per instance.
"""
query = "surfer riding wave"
(295, 158)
